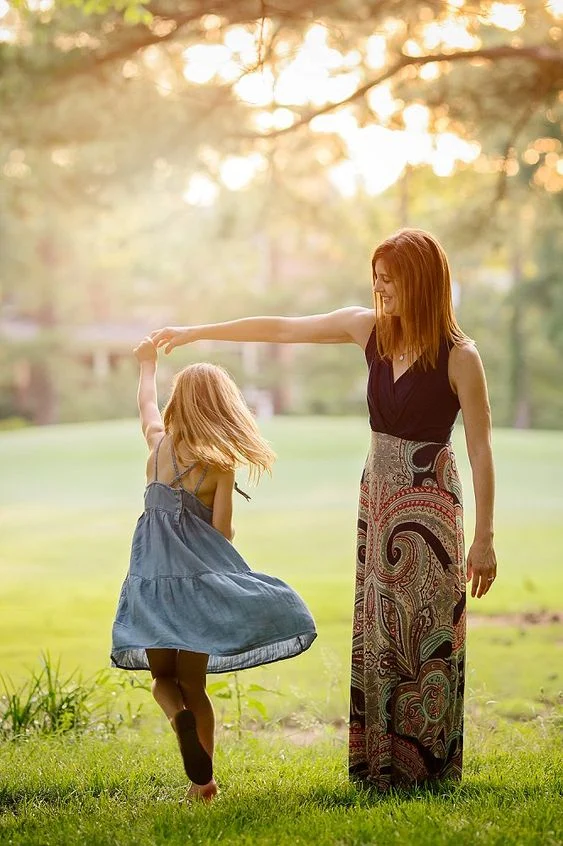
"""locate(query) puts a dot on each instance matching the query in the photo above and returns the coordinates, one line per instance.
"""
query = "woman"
(408, 652)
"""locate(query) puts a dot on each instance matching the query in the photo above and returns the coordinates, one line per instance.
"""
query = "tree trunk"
(22, 386)
(280, 355)
(45, 401)
(404, 197)
(519, 382)
(43, 388)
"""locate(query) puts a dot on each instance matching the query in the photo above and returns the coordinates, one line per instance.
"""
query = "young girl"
(190, 604)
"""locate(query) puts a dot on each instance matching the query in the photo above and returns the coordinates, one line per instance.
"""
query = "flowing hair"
(209, 421)
(419, 267)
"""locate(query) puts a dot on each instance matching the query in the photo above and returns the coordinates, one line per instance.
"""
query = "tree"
(102, 132)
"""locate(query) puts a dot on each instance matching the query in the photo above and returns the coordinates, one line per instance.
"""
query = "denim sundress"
(188, 588)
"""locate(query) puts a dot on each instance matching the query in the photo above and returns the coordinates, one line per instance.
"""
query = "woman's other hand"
(481, 568)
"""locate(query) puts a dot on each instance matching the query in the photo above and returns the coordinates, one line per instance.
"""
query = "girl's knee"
(160, 681)
(192, 688)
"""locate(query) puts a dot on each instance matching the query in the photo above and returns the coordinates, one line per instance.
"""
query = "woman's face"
(384, 285)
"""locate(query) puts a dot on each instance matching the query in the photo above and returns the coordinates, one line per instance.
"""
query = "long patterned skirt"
(408, 651)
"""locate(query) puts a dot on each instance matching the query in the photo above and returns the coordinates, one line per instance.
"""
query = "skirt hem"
(304, 641)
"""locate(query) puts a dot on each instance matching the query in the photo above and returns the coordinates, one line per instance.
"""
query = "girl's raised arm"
(151, 419)
(351, 325)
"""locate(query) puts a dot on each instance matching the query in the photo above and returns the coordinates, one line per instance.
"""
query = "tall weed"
(49, 702)
(244, 699)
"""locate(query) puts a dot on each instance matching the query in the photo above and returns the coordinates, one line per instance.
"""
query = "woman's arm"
(151, 419)
(351, 325)
(222, 519)
(468, 379)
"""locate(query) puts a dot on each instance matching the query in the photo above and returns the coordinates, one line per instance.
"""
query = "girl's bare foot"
(197, 762)
(203, 793)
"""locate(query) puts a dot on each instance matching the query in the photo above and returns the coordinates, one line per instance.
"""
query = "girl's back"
(198, 478)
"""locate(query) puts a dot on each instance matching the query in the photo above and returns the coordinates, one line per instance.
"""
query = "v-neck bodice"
(419, 406)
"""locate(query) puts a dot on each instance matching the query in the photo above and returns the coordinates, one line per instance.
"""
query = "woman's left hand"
(481, 567)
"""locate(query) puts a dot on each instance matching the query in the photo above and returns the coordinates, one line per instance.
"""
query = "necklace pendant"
(401, 357)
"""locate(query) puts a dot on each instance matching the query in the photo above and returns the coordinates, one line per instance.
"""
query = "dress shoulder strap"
(156, 458)
(444, 354)
(371, 346)
(242, 493)
(174, 462)
(180, 475)
(200, 480)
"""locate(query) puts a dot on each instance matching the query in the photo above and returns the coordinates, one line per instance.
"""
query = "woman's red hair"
(419, 268)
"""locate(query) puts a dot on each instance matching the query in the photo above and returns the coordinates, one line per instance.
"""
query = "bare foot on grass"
(203, 793)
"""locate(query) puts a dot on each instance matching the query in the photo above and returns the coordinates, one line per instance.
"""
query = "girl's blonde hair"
(209, 421)
(419, 267)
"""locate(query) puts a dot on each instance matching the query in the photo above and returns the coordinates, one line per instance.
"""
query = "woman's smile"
(385, 287)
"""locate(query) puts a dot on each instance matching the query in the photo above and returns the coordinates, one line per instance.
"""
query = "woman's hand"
(481, 567)
(172, 336)
(145, 351)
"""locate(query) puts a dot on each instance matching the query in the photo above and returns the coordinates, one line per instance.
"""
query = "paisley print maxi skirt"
(408, 651)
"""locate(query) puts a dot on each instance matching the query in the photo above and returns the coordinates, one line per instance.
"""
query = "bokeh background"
(182, 162)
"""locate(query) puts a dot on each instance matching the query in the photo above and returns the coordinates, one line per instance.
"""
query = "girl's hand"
(481, 567)
(145, 351)
(172, 336)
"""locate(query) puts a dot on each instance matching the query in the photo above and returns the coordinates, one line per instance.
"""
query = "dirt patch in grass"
(526, 618)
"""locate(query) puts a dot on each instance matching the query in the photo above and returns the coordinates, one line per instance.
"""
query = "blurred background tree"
(187, 162)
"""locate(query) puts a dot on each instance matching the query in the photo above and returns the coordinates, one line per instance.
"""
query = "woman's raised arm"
(350, 325)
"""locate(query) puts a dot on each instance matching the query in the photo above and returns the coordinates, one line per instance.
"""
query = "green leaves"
(240, 694)
(133, 11)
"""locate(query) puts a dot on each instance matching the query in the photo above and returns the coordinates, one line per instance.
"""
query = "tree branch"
(538, 54)
(243, 13)
(96, 60)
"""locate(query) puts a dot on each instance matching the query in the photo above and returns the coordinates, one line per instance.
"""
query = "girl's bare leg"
(165, 688)
(191, 668)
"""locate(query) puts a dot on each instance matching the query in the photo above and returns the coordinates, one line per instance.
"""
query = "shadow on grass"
(149, 789)
(257, 802)
(450, 793)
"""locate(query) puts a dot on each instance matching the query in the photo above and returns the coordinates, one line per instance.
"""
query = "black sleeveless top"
(419, 406)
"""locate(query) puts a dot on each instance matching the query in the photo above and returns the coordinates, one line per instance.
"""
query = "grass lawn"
(71, 494)
(129, 790)
(69, 500)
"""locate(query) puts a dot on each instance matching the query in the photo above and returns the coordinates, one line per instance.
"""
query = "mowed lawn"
(70, 497)
(128, 791)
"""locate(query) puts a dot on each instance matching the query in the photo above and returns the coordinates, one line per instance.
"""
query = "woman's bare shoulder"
(465, 367)
(362, 321)
(465, 354)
